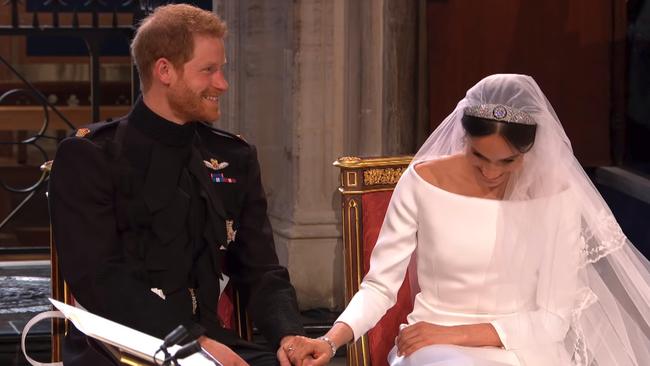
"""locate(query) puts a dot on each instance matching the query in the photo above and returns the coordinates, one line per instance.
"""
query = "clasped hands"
(302, 351)
(294, 350)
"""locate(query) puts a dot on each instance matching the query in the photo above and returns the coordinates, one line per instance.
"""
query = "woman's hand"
(221, 352)
(303, 351)
(421, 334)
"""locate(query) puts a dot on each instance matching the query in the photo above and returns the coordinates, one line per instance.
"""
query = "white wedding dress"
(454, 240)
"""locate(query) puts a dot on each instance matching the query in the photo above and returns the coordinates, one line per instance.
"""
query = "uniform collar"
(159, 128)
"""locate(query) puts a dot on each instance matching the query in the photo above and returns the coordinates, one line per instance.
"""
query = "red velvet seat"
(366, 188)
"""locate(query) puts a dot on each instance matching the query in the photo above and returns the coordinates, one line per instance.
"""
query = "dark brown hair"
(518, 135)
(168, 33)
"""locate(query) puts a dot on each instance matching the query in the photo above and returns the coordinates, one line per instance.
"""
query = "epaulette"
(92, 129)
(223, 133)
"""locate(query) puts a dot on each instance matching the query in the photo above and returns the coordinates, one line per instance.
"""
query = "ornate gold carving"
(348, 160)
(355, 162)
(384, 176)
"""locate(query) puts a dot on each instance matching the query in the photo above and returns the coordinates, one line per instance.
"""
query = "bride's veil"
(559, 252)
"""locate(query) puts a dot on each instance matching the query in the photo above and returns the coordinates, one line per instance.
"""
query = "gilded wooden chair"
(366, 186)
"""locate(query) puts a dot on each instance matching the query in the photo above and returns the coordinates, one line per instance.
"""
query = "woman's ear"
(164, 71)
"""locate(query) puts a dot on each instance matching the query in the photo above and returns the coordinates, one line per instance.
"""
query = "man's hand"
(303, 351)
(421, 334)
(321, 355)
(221, 352)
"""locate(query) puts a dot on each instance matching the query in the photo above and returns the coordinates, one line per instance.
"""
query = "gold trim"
(349, 159)
(349, 291)
(355, 206)
(355, 162)
(352, 179)
(351, 205)
(344, 191)
(131, 362)
(349, 359)
(360, 271)
(382, 176)
(365, 353)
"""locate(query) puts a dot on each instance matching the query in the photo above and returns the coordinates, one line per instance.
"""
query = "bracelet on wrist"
(329, 343)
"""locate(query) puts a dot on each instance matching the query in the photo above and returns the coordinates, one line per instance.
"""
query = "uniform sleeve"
(557, 286)
(388, 262)
(253, 266)
(91, 255)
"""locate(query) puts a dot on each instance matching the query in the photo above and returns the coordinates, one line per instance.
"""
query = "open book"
(125, 339)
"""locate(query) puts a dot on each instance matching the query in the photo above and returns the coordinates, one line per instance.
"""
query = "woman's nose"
(490, 172)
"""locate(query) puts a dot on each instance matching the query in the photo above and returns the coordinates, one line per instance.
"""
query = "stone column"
(311, 80)
(282, 99)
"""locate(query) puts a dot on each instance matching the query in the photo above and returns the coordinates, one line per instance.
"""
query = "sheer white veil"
(559, 253)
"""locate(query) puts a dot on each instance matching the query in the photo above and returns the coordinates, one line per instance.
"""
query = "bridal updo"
(515, 126)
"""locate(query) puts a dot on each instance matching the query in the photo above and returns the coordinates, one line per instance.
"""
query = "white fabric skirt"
(450, 355)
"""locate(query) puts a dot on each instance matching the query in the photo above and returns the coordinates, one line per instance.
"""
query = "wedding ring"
(290, 349)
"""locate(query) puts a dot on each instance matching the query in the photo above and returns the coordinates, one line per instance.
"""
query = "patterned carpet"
(24, 289)
(24, 294)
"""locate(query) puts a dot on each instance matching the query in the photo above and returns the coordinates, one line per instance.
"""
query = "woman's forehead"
(494, 147)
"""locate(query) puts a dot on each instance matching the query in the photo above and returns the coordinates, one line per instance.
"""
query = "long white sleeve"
(557, 287)
(388, 262)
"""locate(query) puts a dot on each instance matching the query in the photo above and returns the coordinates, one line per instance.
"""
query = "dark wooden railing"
(31, 18)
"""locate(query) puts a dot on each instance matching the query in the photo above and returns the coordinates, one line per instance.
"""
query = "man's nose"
(220, 82)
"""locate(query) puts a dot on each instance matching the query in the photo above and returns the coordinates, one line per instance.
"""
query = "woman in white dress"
(519, 260)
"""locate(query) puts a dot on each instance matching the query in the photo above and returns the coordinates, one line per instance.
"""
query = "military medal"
(231, 233)
(195, 304)
(214, 164)
(220, 178)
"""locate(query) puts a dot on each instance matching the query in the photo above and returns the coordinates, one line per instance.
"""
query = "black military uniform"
(147, 215)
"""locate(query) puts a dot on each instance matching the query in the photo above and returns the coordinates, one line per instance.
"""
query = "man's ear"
(164, 71)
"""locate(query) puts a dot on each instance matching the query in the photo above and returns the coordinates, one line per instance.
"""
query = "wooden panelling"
(565, 45)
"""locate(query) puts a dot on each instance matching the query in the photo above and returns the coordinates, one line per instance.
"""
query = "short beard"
(187, 105)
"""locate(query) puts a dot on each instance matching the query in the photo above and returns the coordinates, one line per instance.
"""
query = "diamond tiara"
(499, 112)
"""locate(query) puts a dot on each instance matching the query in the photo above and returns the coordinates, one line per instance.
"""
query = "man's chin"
(214, 117)
(211, 114)
(207, 116)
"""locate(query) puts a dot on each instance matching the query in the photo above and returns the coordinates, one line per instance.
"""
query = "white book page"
(126, 339)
